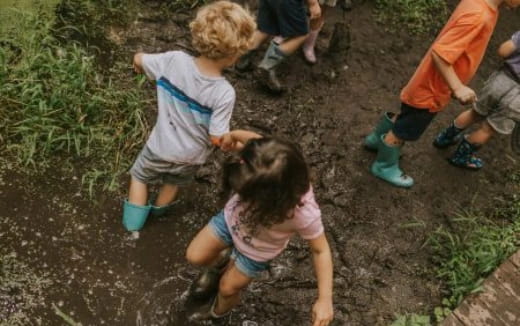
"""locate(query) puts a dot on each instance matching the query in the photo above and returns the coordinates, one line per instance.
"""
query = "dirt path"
(102, 275)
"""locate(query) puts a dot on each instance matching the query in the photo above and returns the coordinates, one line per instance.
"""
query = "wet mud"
(94, 273)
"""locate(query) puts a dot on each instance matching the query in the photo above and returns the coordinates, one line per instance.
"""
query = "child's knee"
(227, 288)
(487, 129)
(194, 256)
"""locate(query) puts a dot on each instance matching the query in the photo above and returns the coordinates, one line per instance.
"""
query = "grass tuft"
(416, 16)
(471, 251)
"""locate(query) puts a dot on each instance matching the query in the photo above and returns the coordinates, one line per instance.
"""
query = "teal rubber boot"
(134, 216)
(160, 211)
(386, 165)
(383, 126)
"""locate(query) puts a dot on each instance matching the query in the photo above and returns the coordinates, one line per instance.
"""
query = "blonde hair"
(222, 29)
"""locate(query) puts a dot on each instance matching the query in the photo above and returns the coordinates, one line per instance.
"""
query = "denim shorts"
(411, 123)
(248, 266)
(287, 18)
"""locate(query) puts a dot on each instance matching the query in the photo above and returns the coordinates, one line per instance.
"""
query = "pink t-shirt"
(269, 243)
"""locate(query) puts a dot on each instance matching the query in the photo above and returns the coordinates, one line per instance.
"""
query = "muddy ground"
(76, 261)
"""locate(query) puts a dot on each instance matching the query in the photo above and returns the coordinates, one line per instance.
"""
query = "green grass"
(416, 16)
(466, 251)
(56, 106)
(474, 248)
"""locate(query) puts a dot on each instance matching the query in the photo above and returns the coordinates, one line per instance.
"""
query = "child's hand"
(322, 312)
(227, 143)
(465, 95)
(315, 10)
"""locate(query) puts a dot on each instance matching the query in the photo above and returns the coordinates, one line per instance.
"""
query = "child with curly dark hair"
(271, 199)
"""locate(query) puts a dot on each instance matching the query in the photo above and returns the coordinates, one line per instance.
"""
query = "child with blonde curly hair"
(195, 103)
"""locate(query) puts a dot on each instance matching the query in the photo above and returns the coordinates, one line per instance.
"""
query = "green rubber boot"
(386, 165)
(384, 125)
(134, 216)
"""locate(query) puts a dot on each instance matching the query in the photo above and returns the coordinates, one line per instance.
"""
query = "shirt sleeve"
(154, 65)
(456, 40)
(221, 116)
(311, 215)
(516, 40)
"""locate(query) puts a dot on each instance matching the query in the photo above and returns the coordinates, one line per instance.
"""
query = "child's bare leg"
(231, 283)
(138, 193)
(292, 44)
(205, 248)
(316, 24)
(467, 118)
(481, 135)
(167, 194)
(258, 38)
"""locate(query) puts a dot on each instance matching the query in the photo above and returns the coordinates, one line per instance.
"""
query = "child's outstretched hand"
(465, 95)
(322, 312)
(228, 143)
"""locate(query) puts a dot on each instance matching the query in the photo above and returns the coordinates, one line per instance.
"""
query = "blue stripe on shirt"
(181, 96)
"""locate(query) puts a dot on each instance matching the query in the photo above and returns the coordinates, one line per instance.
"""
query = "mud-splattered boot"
(207, 282)
(134, 216)
(386, 165)
(464, 156)
(266, 69)
(245, 62)
(208, 312)
(448, 137)
(374, 138)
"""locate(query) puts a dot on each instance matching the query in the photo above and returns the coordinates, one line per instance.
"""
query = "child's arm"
(506, 49)
(461, 92)
(322, 311)
(314, 8)
(138, 63)
(234, 140)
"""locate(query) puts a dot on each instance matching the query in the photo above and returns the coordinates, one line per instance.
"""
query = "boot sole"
(466, 167)
(393, 184)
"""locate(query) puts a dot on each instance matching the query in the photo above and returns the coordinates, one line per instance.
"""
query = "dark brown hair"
(270, 177)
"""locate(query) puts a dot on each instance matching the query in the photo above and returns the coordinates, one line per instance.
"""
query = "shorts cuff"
(498, 130)
(218, 234)
(244, 270)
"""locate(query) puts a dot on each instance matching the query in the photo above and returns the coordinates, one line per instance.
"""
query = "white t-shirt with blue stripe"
(191, 108)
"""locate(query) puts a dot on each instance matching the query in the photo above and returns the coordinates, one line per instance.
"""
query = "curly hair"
(270, 178)
(222, 29)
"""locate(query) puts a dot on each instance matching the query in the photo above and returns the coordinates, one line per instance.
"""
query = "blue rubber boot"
(386, 165)
(464, 156)
(384, 125)
(134, 216)
(448, 137)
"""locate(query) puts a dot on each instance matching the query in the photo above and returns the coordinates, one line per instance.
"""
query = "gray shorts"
(151, 169)
(499, 102)
(328, 3)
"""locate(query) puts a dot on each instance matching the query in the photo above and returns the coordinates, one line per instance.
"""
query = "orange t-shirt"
(462, 43)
